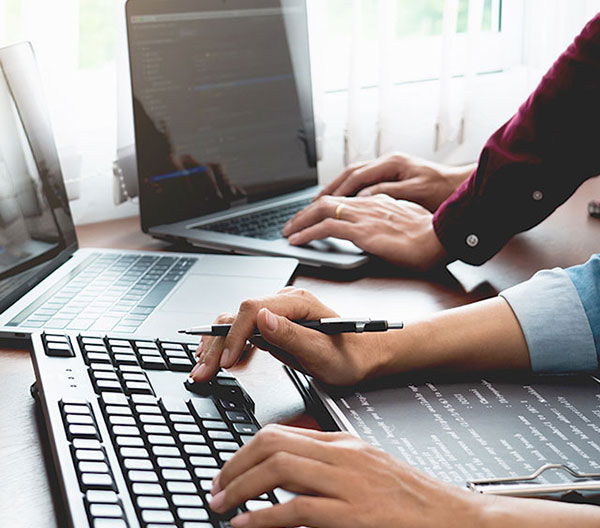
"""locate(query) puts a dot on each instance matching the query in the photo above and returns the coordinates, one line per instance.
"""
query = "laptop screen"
(36, 230)
(222, 103)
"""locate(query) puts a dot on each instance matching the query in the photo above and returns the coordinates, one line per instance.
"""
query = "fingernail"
(217, 501)
(293, 239)
(240, 521)
(286, 228)
(199, 370)
(271, 320)
(216, 485)
(366, 192)
(200, 348)
(226, 357)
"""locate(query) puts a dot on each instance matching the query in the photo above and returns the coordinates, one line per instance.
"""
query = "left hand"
(345, 481)
(398, 231)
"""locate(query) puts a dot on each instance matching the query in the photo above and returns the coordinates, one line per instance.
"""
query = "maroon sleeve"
(534, 162)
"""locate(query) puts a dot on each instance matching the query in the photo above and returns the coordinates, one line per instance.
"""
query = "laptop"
(46, 282)
(224, 125)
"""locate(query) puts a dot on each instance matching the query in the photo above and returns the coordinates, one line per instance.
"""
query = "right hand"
(402, 177)
(338, 359)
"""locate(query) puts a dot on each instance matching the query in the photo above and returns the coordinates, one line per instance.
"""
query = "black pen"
(330, 326)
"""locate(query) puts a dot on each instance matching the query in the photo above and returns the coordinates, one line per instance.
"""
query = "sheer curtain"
(75, 44)
(438, 93)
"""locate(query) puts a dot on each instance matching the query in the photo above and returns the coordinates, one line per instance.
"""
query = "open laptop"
(224, 124)
(47, 283)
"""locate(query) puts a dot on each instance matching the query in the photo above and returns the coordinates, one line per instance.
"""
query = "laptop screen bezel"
(135, 8)
(19, 69)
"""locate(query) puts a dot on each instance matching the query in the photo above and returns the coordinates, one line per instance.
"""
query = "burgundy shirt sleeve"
(534, 162)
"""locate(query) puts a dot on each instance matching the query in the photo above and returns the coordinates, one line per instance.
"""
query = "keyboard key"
(176, 474)
(186, 500)
(106, 510)
(93, 467)
(192, 439)
(203, 461)
(102, 496)
(170, 463)
(82, 431)
(140, 488)
(205, 408)
(192, 514)
(157, 516)
(142, 476)
(165, 451)
(238, 416)
(243, 428)
(138, 463)
(95, 455)
(206, 473)
(194, 449)
(97, 481)
(134, 452)
(155, 503)
(177, 486)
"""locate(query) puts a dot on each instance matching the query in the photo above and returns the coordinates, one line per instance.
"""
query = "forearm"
(480, 336)
(504, 512)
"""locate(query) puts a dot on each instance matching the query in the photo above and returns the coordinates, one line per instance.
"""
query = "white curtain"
(78, 74)
(438, 95)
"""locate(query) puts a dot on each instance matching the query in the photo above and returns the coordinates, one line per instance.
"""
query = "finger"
(283, 469)
(318, 211)
(275, 438)
(330, 187)
(209, 361)
(411, 190)
(375, 172)
(292, 306)
(330, 227)
(300, 511)
(206, 343)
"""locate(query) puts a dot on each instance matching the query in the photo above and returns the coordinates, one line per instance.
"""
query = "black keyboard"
(266, 224)
(107, 293)
(132, 445)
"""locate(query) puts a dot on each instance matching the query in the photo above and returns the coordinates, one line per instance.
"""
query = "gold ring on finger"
(338, 211)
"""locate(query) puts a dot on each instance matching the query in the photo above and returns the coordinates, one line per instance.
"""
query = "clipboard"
(581, 487)
(527, 487)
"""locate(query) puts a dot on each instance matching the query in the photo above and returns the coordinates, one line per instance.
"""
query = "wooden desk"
(568, 237)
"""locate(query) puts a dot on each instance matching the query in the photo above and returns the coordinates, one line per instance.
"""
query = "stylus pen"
(329, 326)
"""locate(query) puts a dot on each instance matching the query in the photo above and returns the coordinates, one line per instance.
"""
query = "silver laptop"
(224, 124)
(47, 283)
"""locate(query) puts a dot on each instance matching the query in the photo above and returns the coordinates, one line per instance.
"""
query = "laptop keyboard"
(266, 225)
(111, 293)
(166, 449)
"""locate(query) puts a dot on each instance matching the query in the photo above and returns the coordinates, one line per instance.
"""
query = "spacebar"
(157, 294)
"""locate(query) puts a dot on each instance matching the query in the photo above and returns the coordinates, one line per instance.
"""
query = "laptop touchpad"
(335, 245)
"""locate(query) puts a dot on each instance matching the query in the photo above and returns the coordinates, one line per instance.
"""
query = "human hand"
(398, 231)
(336, 359)
(345, 482)
(402, 177)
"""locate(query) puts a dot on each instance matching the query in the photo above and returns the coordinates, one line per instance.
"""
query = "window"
(415, 45)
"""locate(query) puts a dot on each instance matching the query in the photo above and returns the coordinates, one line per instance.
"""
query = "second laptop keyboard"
(266, 224)
(107, 292)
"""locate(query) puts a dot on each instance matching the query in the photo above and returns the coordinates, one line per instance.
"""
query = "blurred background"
(431, 77)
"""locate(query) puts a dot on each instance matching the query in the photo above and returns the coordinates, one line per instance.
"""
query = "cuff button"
(472, 240)
(537, 195)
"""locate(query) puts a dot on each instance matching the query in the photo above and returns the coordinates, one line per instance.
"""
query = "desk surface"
(568, 237)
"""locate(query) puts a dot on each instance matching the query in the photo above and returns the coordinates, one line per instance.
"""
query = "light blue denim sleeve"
(554, 320)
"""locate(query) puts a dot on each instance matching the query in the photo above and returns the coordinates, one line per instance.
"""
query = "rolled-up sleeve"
(559, 316)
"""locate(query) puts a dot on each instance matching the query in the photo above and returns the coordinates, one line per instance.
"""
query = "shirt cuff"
(554, 323)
